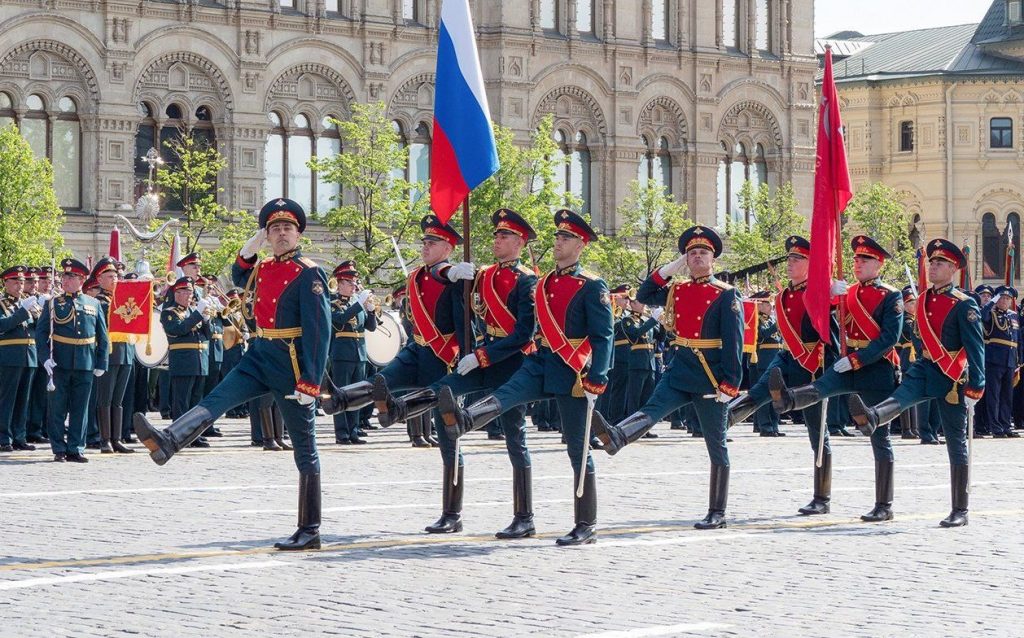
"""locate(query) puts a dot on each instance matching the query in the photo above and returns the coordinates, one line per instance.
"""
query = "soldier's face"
(30, 286)
(283, 237)
(72, 283)
(1005, 302)
(44, 286)
(190, 270)
(108, 280)
(507, 245)
(568, 248)
(434, 251)
(796, 268)
(910, 306)
(866, 268)
(940, 271)
(700, 261)
(183, 296)
(14, 286)
(764, 307)
(346, 287)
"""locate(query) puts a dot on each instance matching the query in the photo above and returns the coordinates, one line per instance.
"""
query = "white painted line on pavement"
(662, 630)
(680, 540)
(134, 573)
(399, 506)
(937, 486)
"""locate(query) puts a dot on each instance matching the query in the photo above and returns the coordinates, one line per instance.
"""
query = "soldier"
(1001, 327)
(292, 334)
(506, 311)
(871, 368)
(353, 312)
(79, 347)
(188, 335)
(432, 352)
(574, 314)
(17, 358)
(92, 288)
(235, 335)
(804, 356)
(905, 347)
(215, 352)
(612, 402)
(707, 318)
(769, 343)
(640, 334)
(36, 430)
(110, 388)
(952, 370)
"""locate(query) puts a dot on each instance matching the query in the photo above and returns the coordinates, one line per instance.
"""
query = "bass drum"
(151, 351)
(383, 344)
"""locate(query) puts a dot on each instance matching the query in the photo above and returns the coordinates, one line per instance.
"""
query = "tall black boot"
(616, 437)
(266, 418)
(451, 513)
(782, 397)
(308, 534)
(103, 419)
(804, 396)
(717, 499)
(116, 420)
(459, 421)
(585, 510)
(416, 434)
(163, 444)
(401, 409)
(883, 494)
(821, 503)
(958, 477)
(522, 505)
(278, 419)
(354, 396)
(868, 419)
(740, 410)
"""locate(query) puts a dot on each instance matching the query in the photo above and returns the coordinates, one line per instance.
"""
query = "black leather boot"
(354, 396)
(522, 505)
(883, 494)
(308, 534)
(718, 497)
(782, 399)
(103, 419)
(585, 510)
(821, 503)
(804, 396)
(868, 419)
(116, 420)
(451, 513)
(459, 421)
(740, 410)
(266, 418)
(401, 409)
(416, 433)
(163, 444)
(279, 429)
(615, 437)
(958, 477)
(908, 429)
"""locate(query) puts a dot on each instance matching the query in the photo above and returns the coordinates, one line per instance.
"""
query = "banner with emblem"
(131, 307)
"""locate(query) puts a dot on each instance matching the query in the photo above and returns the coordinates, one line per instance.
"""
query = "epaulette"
(523, 269)
(887, 287)
(307, 262)
(959, 294)
(721, 285)
(586, 274)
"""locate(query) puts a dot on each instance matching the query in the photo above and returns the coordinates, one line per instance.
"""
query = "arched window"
(579, 171)
(6, 110)
(585, 16)
(145, 139)
(549, 14)
(274, 160)
(723, 187)
(739, 173)
(991, 248)
(328, 144)
(403, 142)
(659, 20)
(664, 164)
(202, 126)
(419, 160)
(54, 132)
(289, 147)
(300, 150)
(759, 171)
(762, 24)
(730, 24)
(655, 165)
(1013, 222)
(734, 170)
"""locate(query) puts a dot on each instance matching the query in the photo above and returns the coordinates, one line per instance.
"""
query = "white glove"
(672, 268)
(49, 364)
(202, 306)
(843, 365)
(98, 373)
(723, 397)
(839, 287)
(361, 297)
(656, 313)
(30, 304)
(43, 297)
(467, 364)
(302, 398)
(462, 270)
(969, 402)
(591, 398)
(253, 244)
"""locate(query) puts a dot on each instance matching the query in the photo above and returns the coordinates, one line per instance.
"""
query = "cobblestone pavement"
(122, 547)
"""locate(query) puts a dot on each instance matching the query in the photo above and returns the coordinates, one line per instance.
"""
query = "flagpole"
(467, 289)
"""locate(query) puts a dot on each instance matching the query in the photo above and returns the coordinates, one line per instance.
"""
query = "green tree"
(651, 224)
(30, 218)
(383, 205)
(877, 211)
(774, 219)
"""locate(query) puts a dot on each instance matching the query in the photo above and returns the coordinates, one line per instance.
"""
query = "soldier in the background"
(352, 314)
(110, 388)
(641, 331)
(1001, 328)
(188, 333)
(215, 352)
(17, 358)
(769, 344)
(36, 430)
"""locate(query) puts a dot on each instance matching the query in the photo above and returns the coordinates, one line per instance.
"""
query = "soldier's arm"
(175, 327)
(43, 327)
(599, 329)
(731, 329)
(974, 345)
(102, 357)
(892, 327)
(522, 334)
(654, 290)
(342, 317)
(315, 318)
(241, 270)
(11, 322)
(370, 323)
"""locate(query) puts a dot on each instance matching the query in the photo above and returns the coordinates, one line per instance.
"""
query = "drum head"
(151, 351)
(383, 344)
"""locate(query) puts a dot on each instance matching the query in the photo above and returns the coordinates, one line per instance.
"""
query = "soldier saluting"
(288, 357)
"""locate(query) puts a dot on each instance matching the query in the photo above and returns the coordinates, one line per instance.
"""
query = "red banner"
(749, 326)
(131, 307)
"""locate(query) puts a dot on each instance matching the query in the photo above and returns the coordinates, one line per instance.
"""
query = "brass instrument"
(332, 285)
(170, 278)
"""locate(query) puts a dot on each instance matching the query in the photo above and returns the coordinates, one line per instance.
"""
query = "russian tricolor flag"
(464, 153)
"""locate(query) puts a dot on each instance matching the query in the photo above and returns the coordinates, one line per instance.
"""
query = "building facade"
(698, 95)
(938, 114)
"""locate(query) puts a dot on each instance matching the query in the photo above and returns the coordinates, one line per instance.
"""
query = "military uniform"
(612, 403)
(1001, 329)
(80, 346)
(292, 336)
(17, 362)
(769, 343)
(110, 388)
(574, 350)
(874, 322)
(348, 349)
(188, 360)
(981, 295)
(952, 370)
(706, 316)
(37, 394)
(641, 334)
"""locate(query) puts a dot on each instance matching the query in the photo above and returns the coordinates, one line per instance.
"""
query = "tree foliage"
(774, 219)
(30, 217)
(877, 210)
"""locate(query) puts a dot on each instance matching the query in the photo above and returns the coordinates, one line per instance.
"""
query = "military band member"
(612, 403)
(18, 358)
(431, 353)
(574, 316)
(909, 419)
(871, 368)
(188, 335)
(952, 370)
(505, 307)
(769, 343)
(37, 394)
(353, 313)
(110, 388)
(215, 351)
(706, 315)
(640, 333)
(79, 350)
(1001, 327)
(292, 335)
(804, 358)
